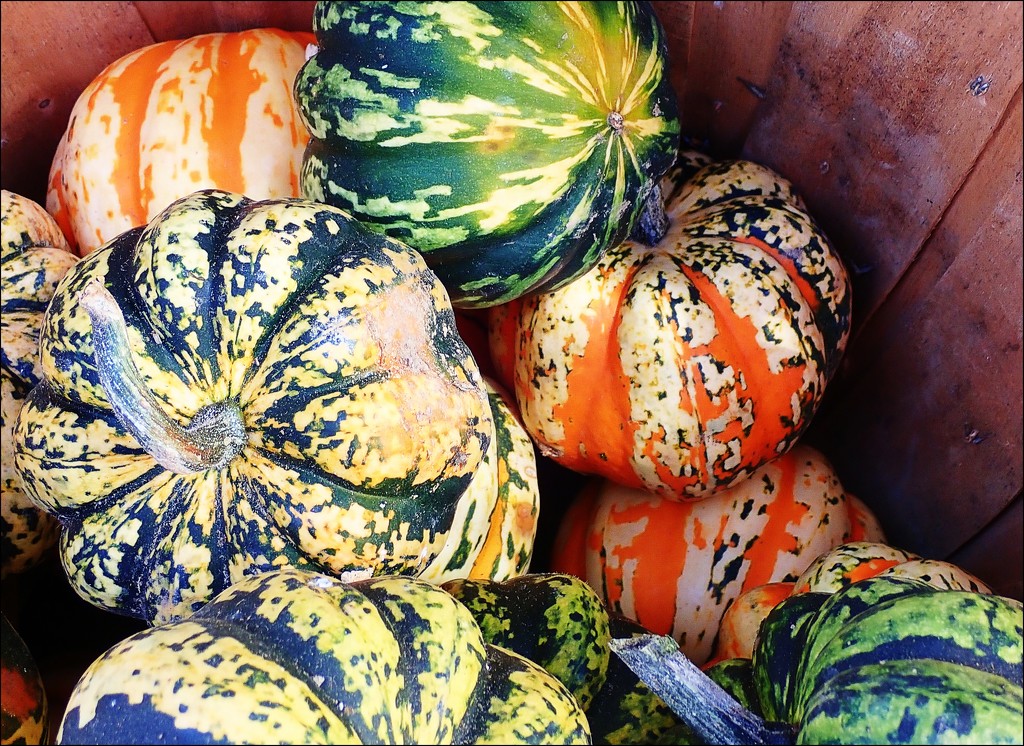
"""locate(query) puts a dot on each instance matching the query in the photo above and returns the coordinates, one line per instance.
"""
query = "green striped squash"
(296, 657)
(884, 660)
(34, 256)
(242, 385)
(511, 143)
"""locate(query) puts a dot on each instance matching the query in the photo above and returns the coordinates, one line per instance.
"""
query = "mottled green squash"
(34, 256)
(886, 659)
(296, 657)
(625, 710)
(511, 142)
(243, 385)
(559, 622)
(554, 620)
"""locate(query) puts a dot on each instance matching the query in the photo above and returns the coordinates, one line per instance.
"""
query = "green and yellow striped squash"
(887, 659)
(295, 657)
(830, 572)
(683, 367)
(34, 258)
(209, 111)
(511, 143)
(677, 567)
(24, 708)
(242, 385)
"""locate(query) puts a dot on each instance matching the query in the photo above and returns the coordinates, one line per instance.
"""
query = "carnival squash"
(510, 142)
(209, 111)
(495, 525)
(683, 367)
(884, 660)
(242, 385)
(834, 570)
(34, 258)
(676, 567)
(24, 707)
(296, 657)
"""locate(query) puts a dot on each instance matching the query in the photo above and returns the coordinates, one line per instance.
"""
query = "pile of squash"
(304, 314)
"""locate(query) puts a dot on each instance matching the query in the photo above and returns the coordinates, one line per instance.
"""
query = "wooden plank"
(677, 19)
(167, 20)
(48, 56)
(924, 425)
(995, 554)
(872, 114)
(733, 49)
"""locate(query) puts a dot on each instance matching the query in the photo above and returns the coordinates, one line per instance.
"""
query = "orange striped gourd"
(684, 366)
(675, 567)
(211, 111)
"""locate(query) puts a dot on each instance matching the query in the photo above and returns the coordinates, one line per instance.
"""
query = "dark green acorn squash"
(243, 385)
(510, 142)
(884, 660)
(296, 657)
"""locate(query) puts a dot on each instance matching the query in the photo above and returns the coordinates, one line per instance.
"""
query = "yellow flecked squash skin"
(495, 526)
(34, 258)
(245, 385)
(296, 657)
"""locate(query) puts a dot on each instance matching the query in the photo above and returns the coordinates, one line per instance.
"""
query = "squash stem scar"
(211, 440)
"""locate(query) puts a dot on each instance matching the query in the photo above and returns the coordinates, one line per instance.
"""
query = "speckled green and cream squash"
(681, 368)
(243, 385)
(555, 620)
(510, 142)
(34, 257)
(296, 657)
(884, 660)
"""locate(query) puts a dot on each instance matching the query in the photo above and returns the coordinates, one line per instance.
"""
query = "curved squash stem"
(653, 223)
(213, 438)
(702, 704)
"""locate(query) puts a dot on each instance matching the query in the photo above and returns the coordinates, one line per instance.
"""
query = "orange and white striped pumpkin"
(683, 367)
(211, 111)
(676, 567)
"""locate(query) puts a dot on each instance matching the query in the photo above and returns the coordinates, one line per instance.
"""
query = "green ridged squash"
(885, 660)
(296, 657)
(242, 385)
(511, 143)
